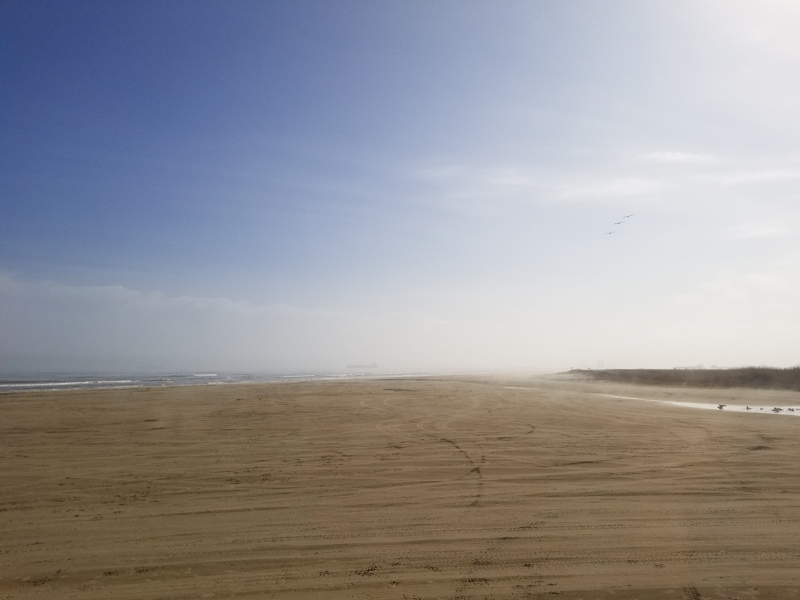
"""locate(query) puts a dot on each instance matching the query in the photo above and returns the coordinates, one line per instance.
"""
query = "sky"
(299, 185)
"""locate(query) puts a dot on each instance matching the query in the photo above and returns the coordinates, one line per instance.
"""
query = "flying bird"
(609, 232)
(626, 216)
(619, 223)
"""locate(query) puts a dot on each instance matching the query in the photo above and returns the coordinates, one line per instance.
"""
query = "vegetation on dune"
(745, 377)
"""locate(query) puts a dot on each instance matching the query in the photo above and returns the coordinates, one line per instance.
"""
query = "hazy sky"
(427, 184)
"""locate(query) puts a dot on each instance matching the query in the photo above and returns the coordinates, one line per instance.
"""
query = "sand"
(407, 488)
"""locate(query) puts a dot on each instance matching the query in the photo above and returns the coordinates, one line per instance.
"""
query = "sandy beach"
(446, 488)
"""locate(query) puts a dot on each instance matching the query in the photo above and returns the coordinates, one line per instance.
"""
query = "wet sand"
(409, 488)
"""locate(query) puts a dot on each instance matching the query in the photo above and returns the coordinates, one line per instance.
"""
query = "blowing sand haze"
(428, 488)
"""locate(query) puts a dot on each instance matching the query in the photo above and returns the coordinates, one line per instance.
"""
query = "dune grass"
(744, 377)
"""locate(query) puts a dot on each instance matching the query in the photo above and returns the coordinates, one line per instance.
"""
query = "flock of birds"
(619, 223)
(775, 410)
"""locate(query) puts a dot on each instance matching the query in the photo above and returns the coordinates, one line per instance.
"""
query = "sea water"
(773, 410)
(761, 410)
(69, 381)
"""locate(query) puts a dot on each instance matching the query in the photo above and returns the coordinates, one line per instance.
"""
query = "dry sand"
(438, 488)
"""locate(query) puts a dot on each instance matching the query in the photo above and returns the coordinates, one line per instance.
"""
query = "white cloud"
(769, 26)
(747, 232)
(734, 178)
(489, 179)
(477, 190)
(735, 318)
(738, 296)
(610, 189)
(666, 157)
(493, 188)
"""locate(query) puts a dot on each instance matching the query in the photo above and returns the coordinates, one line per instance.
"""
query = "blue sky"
(427, 185)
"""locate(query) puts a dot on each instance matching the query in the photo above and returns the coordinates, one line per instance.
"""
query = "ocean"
(69, 381)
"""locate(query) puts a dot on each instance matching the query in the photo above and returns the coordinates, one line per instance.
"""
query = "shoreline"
(59, 383)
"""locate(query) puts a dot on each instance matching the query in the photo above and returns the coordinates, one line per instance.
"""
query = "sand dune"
(430, 488)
